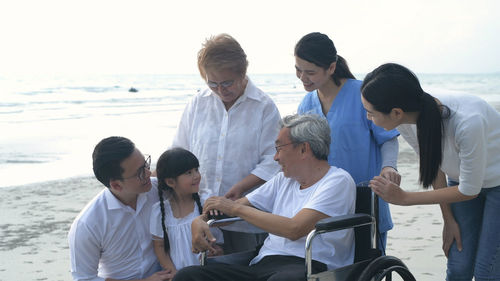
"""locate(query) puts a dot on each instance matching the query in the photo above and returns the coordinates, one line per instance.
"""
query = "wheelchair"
(369, 263)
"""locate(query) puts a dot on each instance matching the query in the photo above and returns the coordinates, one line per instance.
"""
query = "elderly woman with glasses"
(230, 127)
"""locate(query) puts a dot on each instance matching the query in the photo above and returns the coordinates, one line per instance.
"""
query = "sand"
(35, 220)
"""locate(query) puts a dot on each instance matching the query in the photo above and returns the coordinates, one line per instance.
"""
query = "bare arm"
(202, 239)
(292, 228)
(163, 257)
(243, 186)
(451, 230)
(392, 193)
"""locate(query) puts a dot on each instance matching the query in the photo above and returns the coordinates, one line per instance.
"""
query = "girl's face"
(386, 121)
(187, 183)
(312, 76)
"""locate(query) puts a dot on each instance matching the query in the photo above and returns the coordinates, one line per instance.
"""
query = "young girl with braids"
(178, 185)
(456, 137)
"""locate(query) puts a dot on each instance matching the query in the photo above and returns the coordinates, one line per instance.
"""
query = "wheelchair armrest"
(333, 224)
(343, 222)
(224, 221)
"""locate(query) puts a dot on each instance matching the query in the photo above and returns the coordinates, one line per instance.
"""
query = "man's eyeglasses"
(278, 147)
(223, 84)
(141, 172)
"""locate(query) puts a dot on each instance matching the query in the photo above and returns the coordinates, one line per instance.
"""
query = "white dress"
(179, 234)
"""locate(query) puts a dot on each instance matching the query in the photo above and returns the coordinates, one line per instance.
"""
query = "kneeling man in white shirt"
(110, 239)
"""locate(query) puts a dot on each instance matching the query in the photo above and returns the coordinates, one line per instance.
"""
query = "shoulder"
(353, 85)
(466, 112)
(308, 101)
(254, 93)
(93, 214)
(337, 177)
(338, 174)
(201, 97)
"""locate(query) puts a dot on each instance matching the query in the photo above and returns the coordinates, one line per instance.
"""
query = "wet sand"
(36, 219)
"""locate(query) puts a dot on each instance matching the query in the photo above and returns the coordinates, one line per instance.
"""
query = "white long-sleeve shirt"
(111, 240)
(471, 143)
(230, 144)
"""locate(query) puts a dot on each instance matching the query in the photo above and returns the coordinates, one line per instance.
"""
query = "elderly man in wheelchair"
(290, 206)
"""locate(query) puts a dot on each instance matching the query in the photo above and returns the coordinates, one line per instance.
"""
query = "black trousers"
(270, 268)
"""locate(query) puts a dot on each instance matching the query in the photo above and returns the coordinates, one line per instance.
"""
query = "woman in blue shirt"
(358, 146)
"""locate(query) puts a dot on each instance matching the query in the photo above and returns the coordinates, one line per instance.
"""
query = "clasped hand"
(387, 190)
(218, 205)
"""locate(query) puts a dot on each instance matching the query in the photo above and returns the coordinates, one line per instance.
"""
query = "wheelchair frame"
(369, 264)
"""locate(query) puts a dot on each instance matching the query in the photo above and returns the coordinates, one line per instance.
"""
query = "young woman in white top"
(178, 184)
(456, 137)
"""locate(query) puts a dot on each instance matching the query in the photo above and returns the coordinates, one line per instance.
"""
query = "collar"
(250, 92)
(114, 203)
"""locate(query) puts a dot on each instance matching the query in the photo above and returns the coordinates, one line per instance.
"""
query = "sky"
(141, 36)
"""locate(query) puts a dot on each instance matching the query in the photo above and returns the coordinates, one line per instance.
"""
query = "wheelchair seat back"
(365, 236)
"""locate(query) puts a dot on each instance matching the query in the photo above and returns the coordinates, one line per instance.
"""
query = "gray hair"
(310, 128)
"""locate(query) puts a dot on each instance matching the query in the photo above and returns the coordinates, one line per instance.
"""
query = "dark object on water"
(133, 90)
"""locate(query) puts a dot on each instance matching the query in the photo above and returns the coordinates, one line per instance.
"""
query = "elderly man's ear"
(305, 147)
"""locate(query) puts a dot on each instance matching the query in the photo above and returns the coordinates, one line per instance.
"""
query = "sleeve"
(263, 197)
(183, 132)
(267, 167)
(335, 197)
(85, 252)
(155, 221)
(389, 151)
(380, 134)
(471, 138)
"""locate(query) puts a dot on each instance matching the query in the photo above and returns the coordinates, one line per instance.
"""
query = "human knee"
(287, 276)
(459, 270)
(188, 273)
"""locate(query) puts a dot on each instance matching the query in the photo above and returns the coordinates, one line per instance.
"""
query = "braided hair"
(171, 164)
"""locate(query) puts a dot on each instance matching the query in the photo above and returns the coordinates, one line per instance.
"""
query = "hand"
(216, 204)
(234, 193)
(451, 232)
(202, 238)
(161, 276)
(387, 190)
(218, 251)
(391, 174)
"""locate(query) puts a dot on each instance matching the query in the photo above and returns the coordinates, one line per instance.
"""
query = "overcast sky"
(108, 36)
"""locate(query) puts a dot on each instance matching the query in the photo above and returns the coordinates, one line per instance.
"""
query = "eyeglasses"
(223, 84)
(278, 147)
(141, 172)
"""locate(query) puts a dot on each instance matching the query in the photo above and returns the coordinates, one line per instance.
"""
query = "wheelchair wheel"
(383, 267)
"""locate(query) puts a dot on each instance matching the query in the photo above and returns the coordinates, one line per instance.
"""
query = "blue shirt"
(356, 141)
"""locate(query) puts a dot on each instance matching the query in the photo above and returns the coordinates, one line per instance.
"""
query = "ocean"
(50, 124)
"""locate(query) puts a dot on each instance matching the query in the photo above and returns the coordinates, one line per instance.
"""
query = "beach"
(37, 217)
(46, 175)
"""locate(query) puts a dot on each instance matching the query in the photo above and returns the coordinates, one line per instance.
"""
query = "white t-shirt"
(231, 144)
(179, 234)
(333, 195)
(471, 150)
(111, 240)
